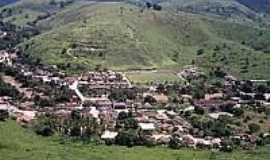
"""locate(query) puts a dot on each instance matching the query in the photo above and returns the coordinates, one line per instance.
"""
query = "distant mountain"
(229, 9)
(258, 5)
(5, 2)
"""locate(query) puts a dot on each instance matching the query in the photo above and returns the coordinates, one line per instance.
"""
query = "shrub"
(175, 143)
(227, 146)
(8, 90)
(238, 112)
(253, 127)
(199, 110)
(127, 138)
(3, 115)
(200, 52)
(157, 7)
(44, 131)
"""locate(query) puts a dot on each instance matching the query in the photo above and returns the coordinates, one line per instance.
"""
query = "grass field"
(17, 143)
(155, 76)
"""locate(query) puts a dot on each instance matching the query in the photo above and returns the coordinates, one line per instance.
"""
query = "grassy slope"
(25, 11)
(131, 40)
(152, 39)
(18, 143)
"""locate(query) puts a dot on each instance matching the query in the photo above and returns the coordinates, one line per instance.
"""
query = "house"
(147, 126)
(108, 135)
(267, 96)
(94, 112)
(161, 138)
(214, 96)
(214, 105)
(189, 109)
(217, 115)
(188, 140)
(3, 106)
(25, 116)
(119, 105)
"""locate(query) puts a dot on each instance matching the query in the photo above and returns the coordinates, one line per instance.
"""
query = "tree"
(130, 123)
(44, 131)
(43, 102)
(238, 112)
(3, 115)
(128, 138)
(148, 5)
(161, 88)
(198, 89)
(262, 89)
(157, 7)
(254, 128)
(150, 99)
(75, 131)
(121, 11)
(259, 96)
(8, 90)
(52, 2)
(64, 50)
(121, 95)
(227, 145)
(175, 143)
(43, 125)
(199, 110)
(198, 93)
(122, 116)
(200, 52)
(75, 115)
(219, 72)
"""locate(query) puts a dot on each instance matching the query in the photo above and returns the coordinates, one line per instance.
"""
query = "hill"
(5, 2)
(83, 34)
(260, 5)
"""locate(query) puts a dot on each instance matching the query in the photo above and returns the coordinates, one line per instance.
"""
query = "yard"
(18, 143)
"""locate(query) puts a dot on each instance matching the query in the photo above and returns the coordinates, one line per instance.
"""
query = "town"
(106, 106)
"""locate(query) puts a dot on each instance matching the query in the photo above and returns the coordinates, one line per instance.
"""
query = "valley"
(134, 79)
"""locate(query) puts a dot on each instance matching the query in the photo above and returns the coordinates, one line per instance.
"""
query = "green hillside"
(128, 40)
(24, 12)
(84, 34)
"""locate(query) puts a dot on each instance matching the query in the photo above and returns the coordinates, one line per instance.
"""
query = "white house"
(109, 135)
(147, 126)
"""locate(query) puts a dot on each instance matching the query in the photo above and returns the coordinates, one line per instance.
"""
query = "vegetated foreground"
(19, 143)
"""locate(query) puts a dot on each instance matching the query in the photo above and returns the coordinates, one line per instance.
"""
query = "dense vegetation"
(8, 90)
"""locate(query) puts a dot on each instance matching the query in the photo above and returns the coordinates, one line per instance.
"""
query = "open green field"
(152, 76)
(17, 143)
